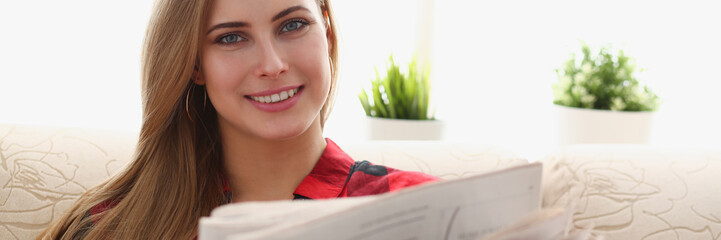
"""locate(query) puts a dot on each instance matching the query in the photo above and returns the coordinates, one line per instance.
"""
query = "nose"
(271, 63)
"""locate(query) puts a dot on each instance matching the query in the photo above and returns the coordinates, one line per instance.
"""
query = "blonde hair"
(174, 178)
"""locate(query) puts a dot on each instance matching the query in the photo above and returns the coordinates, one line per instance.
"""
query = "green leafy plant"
(399, 95)
(602, 82)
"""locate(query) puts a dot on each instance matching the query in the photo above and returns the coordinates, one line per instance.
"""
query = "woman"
(235, 95)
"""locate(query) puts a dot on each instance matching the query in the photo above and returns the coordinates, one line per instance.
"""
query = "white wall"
(505, 52)
(494, 63)
(73, 63)
(77, 62)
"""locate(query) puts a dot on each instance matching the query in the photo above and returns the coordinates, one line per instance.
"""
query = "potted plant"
(398, 104)
(599, 100)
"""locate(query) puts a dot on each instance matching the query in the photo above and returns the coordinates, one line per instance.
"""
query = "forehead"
(253, 10)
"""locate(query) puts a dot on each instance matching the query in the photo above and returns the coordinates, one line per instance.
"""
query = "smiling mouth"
(276, 97)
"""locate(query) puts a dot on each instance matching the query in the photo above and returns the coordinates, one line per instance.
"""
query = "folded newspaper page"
(463, 209)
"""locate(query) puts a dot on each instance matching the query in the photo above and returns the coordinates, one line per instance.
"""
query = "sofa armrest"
(636, 192)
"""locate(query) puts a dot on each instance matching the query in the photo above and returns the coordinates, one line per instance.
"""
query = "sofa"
(622, 191)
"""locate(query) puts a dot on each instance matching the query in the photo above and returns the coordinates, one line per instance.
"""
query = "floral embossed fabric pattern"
(44, 170)
(635, 192)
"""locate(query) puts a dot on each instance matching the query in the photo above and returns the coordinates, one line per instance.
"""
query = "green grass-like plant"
(399, 95)
(602, 81)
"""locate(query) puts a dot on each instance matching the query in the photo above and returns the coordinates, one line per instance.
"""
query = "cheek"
(222, 71)
(313, 61)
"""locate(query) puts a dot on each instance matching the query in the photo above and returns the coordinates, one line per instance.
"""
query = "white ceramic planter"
(402, 129)
(578, 126)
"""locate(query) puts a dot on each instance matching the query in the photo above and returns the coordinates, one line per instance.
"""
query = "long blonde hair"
(174, 178)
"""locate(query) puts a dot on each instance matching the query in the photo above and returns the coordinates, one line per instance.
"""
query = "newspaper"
(463, 209)
(545, 224)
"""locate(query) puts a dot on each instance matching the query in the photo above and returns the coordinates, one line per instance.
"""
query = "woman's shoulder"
(91, 218)
(366, 178)
(96, 212)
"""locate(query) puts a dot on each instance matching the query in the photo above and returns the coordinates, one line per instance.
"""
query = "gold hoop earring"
(205, 98)
(187, 99)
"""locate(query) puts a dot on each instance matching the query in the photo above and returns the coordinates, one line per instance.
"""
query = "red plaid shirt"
(335, 175)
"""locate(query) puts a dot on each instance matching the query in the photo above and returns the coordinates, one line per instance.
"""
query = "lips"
(275, 100)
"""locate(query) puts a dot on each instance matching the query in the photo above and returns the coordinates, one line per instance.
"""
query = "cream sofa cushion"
(635, 192)
(43, 170)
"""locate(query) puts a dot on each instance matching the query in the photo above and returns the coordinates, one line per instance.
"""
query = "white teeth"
(276, 97)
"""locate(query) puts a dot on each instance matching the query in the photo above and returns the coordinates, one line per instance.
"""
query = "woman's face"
(265, 65)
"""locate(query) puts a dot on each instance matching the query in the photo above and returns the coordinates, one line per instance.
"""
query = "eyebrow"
(280, 15)
(288, 11)
(228, 25)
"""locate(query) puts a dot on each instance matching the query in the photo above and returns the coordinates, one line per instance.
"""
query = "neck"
(262, 170)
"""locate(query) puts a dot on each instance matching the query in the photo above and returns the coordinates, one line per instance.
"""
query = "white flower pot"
(403, 129)
(578, 126)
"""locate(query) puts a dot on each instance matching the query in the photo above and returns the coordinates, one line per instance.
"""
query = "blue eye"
(293, 25)
(230, 39)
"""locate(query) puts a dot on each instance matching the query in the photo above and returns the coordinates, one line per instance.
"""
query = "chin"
(280, 136)
(275, 133)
